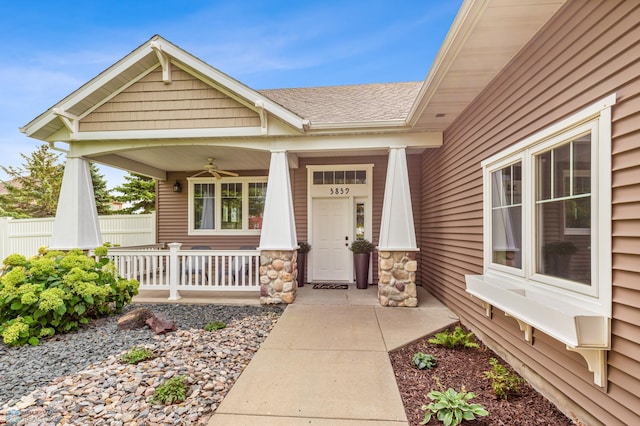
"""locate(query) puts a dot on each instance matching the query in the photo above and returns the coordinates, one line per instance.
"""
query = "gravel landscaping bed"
(78, 378)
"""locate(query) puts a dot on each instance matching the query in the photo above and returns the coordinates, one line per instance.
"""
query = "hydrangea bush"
(56, 292)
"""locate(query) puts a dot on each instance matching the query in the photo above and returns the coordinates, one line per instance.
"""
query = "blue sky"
(50, 48)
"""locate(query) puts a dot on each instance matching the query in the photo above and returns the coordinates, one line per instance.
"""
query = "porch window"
(226, 206)
(340, 177)
(257, 196)
(204, 199)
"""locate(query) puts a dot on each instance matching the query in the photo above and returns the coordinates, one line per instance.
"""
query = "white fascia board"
(90, 87)
(360, 142)
(170, 134)
(233, 85)
(462, 26)
(380, 124)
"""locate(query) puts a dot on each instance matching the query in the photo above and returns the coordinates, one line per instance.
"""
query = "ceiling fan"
(214, 171)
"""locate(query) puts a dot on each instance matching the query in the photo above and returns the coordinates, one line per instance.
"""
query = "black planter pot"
(361, 264)
(302, 263)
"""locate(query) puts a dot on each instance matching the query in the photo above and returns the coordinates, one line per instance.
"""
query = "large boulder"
(134, 319)
(160, 324)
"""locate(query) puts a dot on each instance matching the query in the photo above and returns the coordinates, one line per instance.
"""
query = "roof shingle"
(348, 104)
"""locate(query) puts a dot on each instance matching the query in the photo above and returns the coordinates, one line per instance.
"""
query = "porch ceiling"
(157, 159)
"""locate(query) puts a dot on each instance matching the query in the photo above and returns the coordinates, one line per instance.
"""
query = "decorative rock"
(396, 279)
(385, 264)
(277, 264)
(278, 285)
(105, 391)
(276, 274)
(134, 319)
(160, 325)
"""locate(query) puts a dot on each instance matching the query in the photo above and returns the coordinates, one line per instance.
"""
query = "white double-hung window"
(547, 230)
(226, 205)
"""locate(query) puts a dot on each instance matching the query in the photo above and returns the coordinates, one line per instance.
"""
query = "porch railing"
(175, 269)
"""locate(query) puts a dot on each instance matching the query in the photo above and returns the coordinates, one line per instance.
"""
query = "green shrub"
(503, 382)
(172, 390)
(423, 361)
(451, 407)
(56, 292)
(136, 355)
(451, 340)
(215, 325)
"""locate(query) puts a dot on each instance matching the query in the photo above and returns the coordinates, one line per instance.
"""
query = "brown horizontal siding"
(173, 210)
(588, 51)
(185, 103)
(173, 221)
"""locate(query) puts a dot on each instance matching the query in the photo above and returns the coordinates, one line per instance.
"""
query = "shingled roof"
(348, 104)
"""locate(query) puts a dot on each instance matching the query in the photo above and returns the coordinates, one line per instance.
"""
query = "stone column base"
(278, 271)
(397, 278)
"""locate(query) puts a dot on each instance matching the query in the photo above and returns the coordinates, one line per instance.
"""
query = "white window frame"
(597, 296)
(245, 180)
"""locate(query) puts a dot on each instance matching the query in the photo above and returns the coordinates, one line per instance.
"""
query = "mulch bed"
(464, 367)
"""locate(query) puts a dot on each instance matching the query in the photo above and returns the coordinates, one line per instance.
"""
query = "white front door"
(331, 239)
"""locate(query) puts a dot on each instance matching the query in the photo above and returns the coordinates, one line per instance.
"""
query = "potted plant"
(557, 257)
(303, 249)
(361, 255)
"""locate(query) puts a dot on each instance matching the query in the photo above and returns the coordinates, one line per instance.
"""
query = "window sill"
(583, 331)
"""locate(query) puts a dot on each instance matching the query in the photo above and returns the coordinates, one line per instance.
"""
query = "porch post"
(397, 246)
(76, 223)
(174, 276)
(278, 241)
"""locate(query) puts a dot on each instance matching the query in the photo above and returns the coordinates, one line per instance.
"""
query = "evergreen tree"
(33, 187)
(138, 192)
(100, 191)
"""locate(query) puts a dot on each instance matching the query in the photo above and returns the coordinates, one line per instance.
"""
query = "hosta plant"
(170, 391)
(424, 361)
(454, 339)
(451, 407)
(503, 382)
(56, 292)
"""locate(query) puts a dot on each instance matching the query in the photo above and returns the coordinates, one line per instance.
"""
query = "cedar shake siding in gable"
(185, 103)
(586, 52)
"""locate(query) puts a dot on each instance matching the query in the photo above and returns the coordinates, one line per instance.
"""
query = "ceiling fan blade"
(216, 174)
(199, 173)
(224, 172)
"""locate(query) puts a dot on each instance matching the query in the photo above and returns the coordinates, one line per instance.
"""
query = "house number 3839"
(338, 191)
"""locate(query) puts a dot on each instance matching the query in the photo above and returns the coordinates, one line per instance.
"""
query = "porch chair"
(198, 265)
(244, 268)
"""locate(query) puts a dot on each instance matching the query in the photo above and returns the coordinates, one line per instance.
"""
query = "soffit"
(484, 37)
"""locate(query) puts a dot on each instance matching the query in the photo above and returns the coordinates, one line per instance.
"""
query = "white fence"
(175, 269)
(26, 236)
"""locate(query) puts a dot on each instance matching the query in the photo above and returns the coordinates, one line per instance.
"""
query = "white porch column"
(397, 246)
(76, 223)
(278, 241)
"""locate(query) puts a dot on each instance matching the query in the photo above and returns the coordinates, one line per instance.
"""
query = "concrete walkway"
(326, 363)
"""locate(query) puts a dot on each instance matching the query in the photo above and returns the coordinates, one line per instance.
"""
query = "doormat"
(331, 286)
